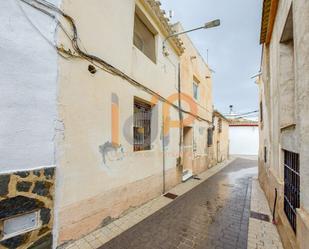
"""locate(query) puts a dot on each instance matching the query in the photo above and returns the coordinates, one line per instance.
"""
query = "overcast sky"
(234, 50)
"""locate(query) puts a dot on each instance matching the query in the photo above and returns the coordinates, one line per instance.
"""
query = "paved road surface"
(213, 215)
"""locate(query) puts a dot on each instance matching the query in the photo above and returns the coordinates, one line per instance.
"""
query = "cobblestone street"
(215, 214)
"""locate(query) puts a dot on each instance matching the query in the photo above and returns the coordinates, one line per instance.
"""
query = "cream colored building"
(112, 145)
(105, 131)
(284, 127)
(196, 94)
(221, 138)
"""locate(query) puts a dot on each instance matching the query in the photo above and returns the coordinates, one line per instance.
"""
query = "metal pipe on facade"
(163, 151)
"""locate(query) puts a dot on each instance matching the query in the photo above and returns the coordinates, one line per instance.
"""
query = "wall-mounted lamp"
(207, 25)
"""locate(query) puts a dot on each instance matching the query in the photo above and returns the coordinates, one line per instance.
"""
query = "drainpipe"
(180, 119)
(163, 150)
(275, 206)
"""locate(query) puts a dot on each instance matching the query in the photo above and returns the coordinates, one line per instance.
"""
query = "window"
(220, 125)
(144, 35)
(286, 66)
(196, 91)
(265, 154)
(291, 186)
(210, 137)
(261, 112)
(142, 125)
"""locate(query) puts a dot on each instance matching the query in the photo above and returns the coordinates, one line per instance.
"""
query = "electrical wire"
(50, 10)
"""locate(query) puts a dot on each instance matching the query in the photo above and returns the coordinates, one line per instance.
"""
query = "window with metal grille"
(220, 125)
(291, 186)
(210, 137)
(142, 125)
(261, 112)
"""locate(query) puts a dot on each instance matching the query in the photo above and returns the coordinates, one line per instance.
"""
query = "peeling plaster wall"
(194, 68)
(28, 76)
(284, 90)
(98, 182)
(221, 140)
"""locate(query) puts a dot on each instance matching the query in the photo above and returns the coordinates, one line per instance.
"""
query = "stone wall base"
(25, 192)
(302, 228)
(269, 182)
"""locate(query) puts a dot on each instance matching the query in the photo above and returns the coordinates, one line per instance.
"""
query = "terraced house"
(93, 120)
(284, 127)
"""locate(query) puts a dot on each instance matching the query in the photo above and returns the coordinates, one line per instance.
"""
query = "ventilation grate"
(260, 216)
(171, 196)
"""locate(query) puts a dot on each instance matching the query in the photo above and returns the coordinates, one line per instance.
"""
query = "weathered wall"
(194, 68)
(97, 183)
(221, 140)
(28, 115)
(244, 140)
(284, 92)
(301, 29)
(28, 76)
(24, 192)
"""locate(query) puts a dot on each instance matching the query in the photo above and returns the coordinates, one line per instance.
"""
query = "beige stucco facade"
(194, 70)
(284, 126)
(221, 142)
(96, 186)
(107, 69)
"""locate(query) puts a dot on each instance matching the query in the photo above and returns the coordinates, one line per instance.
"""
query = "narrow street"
(215, 214)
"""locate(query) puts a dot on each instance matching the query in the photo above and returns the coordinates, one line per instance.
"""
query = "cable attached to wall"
(53, 12)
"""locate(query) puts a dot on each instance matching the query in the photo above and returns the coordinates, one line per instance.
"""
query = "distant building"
(220, 138)
(244, 137)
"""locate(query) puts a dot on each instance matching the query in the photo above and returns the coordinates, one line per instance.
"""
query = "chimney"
(231, 109)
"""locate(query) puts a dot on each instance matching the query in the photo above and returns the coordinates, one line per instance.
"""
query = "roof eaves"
(155, 6)
(268, 19)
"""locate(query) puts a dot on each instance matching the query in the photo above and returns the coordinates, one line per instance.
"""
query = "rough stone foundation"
(25, 192)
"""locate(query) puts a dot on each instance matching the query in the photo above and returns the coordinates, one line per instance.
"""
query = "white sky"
(234, 50)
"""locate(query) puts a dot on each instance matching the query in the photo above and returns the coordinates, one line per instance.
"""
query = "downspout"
(179, 163)
(163, 150)
(275, 206)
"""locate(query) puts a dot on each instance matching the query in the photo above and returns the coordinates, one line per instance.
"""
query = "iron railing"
(142, 126)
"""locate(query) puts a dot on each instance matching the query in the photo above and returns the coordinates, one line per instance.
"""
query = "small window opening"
(142, 125)
(261, 112)
(220, 125)
(144, 35)
(210, 137)
(196, 90)
(291, 187)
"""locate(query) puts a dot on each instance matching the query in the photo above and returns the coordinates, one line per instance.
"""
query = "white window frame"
(196, 85)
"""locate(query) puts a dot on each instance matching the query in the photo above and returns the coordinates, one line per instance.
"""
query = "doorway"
(187, 153)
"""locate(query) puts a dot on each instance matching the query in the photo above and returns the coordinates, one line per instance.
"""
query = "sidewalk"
(262, 234)
(105, 234)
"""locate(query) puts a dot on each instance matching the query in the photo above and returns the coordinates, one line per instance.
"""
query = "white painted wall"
(244, 140)
(28, 75)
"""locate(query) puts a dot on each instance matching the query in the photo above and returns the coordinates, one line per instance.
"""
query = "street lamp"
(207, 25)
